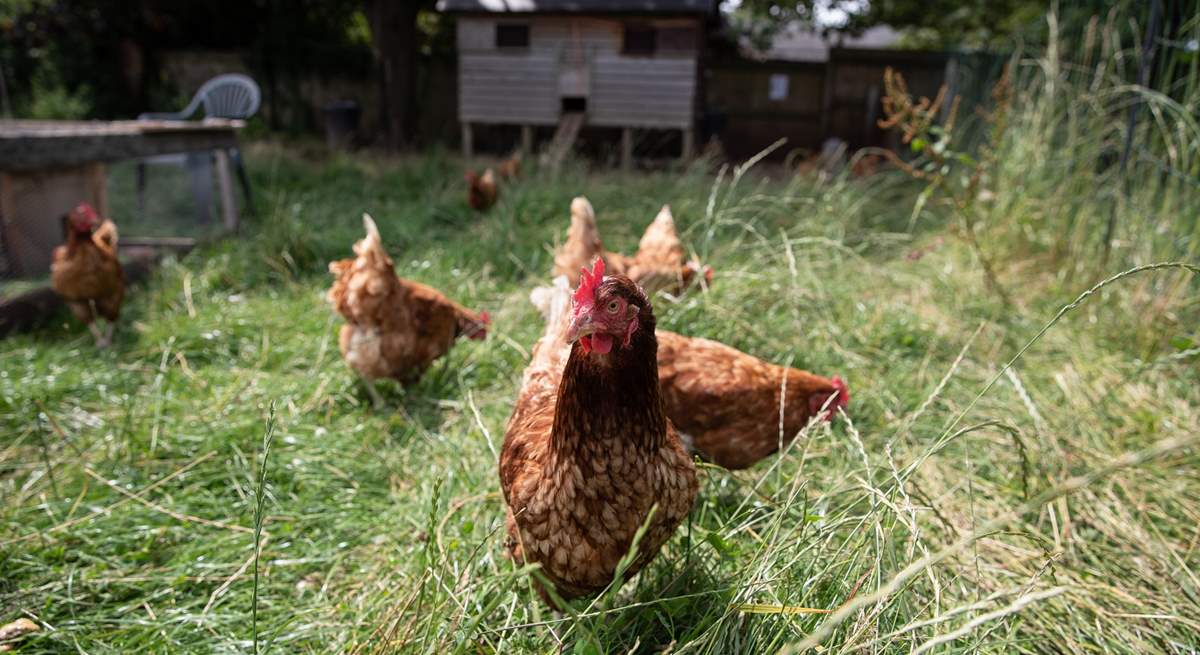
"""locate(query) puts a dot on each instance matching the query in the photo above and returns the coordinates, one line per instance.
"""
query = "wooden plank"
(24, 146)
(229, 208)
(468, 141)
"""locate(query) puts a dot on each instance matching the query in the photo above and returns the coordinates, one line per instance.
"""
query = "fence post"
(827, 93)
(1149, 41)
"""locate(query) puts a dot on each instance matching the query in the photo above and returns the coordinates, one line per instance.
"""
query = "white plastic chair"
(232, 95)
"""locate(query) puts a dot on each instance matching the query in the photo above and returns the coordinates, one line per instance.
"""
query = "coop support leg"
(689, 144)
(626, 148)
(468, 145)
(526, 139)
(229, 207)
(199, 171)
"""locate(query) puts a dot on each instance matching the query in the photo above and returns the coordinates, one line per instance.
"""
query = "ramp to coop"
(564, 138)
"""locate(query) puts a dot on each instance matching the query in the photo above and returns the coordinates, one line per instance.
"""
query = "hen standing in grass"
(658, 264)
(735, 409)
(86, 272)
(726, 404)
(395, 328)
(589, 453)
(510, 168)
(481, 190)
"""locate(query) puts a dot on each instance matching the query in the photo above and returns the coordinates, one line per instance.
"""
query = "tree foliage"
(939, 24)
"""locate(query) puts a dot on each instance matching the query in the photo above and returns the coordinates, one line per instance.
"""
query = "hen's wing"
(527, 437)
(727, 403)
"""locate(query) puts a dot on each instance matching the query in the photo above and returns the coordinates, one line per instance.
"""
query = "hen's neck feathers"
(614, 398)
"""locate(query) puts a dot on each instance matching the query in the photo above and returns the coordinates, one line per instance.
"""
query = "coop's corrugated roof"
(579, 6)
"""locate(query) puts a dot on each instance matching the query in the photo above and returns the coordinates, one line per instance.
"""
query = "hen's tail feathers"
(581, 211)
(370, 228)
(665, 219)
(371, 246)
(105, 237)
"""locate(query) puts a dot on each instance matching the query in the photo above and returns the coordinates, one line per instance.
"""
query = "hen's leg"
(376, 399)
(109, 327)
(101, 340)
(97, 335)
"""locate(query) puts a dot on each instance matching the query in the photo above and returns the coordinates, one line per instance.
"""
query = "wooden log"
(28, 150)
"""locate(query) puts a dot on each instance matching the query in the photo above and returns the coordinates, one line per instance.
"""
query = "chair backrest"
(232, 95)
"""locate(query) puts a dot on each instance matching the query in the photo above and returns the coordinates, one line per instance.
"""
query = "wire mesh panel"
(177, 206)
(164, 183)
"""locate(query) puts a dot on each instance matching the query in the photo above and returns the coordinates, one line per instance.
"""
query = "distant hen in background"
(86, 273)
(395, 328)
(482, 191)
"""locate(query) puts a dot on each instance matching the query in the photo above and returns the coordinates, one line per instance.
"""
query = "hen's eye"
(613, 306)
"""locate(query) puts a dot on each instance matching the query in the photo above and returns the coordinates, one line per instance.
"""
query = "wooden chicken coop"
(628, 64)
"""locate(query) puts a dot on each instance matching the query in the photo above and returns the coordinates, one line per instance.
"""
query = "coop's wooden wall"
(525, 86)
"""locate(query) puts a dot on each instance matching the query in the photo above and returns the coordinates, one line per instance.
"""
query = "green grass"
(130, 477)
(1003, 487)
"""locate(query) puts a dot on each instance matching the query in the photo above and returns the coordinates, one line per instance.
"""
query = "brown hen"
(510, 168)
(86, 273)
(658, 264)
(395, 328)
(589, 453)
(727, 404)
(481, 190)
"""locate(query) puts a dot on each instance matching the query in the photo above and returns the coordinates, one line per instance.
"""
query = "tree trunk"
(394, 35)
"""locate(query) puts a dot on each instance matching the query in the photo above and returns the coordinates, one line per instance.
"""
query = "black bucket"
(341, 123)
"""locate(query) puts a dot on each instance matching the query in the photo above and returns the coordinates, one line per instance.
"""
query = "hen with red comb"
(86, 273)
(589, 456)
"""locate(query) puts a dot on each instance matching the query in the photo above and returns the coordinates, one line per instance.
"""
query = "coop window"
(639, 40)
(512, 36)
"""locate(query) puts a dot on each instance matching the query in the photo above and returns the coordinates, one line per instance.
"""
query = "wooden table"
(47, 167)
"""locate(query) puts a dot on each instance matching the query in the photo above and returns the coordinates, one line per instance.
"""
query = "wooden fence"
(750, 104)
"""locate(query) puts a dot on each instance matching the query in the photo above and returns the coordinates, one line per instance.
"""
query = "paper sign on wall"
(777, 87)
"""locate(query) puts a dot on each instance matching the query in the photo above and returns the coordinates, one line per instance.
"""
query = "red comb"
(85, 210)
(485, 318)
(588, 283)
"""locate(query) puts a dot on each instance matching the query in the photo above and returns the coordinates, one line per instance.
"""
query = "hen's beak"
(581, 326)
